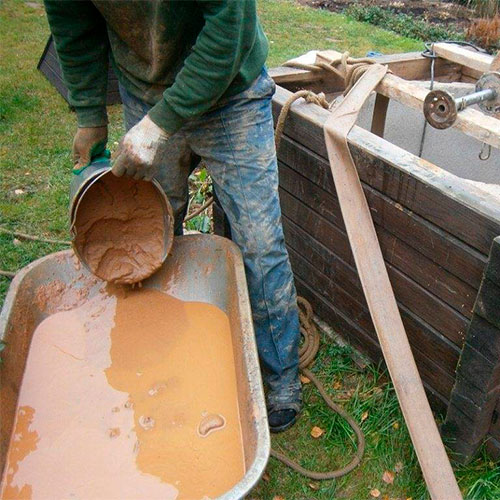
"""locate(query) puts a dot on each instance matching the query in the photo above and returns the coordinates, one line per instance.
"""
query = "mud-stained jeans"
(236, 143)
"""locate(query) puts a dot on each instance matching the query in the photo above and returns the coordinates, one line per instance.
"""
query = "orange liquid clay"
(131, 395)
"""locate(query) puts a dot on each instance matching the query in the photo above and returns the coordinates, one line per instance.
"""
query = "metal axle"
(441, 108)
(475, 98)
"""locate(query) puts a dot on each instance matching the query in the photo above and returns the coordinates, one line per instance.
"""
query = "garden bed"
(449, 14)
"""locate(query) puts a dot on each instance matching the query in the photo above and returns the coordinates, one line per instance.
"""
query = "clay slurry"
(131, 395)
(120, 231)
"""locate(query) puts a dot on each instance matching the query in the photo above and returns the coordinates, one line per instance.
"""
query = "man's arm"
(228, 35)
(230, 31)
(81, 42)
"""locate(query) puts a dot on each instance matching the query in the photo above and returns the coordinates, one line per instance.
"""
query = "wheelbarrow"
(202, 268)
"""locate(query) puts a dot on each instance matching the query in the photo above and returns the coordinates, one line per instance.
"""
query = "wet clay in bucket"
(120, 228)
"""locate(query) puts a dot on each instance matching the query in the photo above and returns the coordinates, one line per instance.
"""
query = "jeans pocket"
(263, 86)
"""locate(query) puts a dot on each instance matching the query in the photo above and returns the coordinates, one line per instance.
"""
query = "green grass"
(366, 393)
(36, 130)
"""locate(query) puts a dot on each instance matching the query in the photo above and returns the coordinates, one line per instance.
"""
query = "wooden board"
(382, 305)
(450, 218)
(436, 377)
(423, 335)
(468, 57)
(425, 238)
(410, 66)
(445, 322)
(416, 180)
(49, 66)
(470, 121)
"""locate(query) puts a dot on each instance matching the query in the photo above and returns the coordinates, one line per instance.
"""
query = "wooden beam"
(429, 448)
(477, 388)
(495, 64)
(466, 57)
(470, 121)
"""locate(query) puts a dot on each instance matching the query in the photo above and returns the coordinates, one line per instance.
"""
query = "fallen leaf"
(388, 477)
(364, 416)
(278, 497)
(314, 486)
(16, 242)
(337, 385)
(385, 497)
(409, 498)
(398, 467)
(317, 432)
(395, 425)
(304, 379)
(19, 191)
(266, 477)
(375, 493)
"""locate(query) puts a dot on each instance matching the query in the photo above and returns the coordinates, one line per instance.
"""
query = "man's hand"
(137, 150)
(88, 143)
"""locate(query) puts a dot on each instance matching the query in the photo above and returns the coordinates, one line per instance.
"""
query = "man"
(193, 85)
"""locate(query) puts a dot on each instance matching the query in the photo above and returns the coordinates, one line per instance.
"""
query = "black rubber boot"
(281, 420)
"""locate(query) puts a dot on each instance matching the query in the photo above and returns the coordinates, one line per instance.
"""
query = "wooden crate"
(437, 235)
(49, 66)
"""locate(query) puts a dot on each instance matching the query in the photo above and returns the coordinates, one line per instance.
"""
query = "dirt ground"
(445, 13)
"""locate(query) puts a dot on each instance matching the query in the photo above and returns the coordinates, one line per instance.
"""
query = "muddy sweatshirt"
(182, 56)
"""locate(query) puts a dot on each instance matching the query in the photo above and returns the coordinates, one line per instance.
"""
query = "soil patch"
(448, 14)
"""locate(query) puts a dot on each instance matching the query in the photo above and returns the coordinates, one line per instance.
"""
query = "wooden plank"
(493, 269)
(477, 386)
(494, 429)
(410, 66)
(470, 121)
(283, 75)
(438, 378)
(349, 330)
(493, 447)
(488, 303)
(421, 269)
(439, 246)
(446, 211)
(466, 57)
(304, 124)
(436, 323)
(379, 115)
(429, 448)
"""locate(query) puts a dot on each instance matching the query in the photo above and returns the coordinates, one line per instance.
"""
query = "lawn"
(36, 130)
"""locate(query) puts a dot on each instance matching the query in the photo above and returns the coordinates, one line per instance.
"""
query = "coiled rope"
(307, 354)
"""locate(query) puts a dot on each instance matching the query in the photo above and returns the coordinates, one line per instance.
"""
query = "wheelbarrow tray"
(202, 268)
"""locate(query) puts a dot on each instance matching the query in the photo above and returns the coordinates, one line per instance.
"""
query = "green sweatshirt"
(181, 56)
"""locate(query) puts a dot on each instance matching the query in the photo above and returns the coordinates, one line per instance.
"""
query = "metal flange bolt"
(441, 108)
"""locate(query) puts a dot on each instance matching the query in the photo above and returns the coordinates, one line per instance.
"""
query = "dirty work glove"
(88, 143)
(137, 150)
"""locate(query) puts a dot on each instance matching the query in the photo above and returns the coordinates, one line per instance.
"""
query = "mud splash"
(118, 388)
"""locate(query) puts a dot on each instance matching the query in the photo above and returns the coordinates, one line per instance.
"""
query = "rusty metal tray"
(201, 268)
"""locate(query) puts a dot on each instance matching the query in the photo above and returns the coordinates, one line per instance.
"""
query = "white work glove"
(137, 150)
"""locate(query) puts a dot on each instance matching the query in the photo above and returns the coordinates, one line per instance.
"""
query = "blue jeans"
(236, 142)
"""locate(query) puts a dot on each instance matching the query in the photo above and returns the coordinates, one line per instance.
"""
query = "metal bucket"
(202, 268)
(83, 181)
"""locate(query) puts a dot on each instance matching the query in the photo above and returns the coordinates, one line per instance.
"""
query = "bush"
(484, 8)
(485, 32)
(403, 24)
